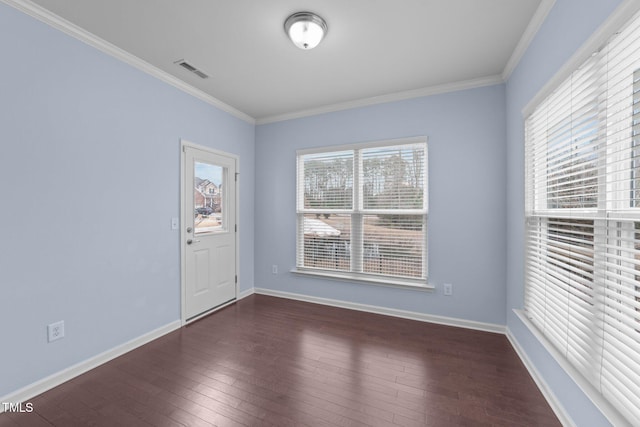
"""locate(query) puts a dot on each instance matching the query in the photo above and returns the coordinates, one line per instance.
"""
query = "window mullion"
(600, 227)
(357, 233)
(357, 242)
(599, 272)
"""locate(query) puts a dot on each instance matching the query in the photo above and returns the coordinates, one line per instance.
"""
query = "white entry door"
(209, 230)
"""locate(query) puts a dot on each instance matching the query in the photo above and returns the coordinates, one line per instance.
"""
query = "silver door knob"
(189, 242)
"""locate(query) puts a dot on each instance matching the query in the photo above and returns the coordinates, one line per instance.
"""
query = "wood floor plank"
(267, 361)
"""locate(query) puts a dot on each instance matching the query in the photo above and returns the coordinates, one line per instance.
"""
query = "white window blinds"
(363, 209)
(582, 284)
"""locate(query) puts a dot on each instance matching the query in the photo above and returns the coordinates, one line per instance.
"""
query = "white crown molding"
(76, 32)
(392, 97)
(422, 317)
(39, 387)
(530, 32)
(594, 43)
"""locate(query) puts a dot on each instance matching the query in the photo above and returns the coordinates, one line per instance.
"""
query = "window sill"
(367, 279)
(611, 413)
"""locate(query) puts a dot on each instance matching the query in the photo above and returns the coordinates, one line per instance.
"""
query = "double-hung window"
(362, 212)
(582, 263)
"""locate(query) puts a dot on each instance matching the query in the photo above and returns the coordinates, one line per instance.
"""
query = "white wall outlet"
(274, 269)
(55, 331)
(447, 289)
(175, 223)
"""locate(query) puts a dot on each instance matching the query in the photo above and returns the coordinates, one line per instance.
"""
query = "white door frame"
(183, 228)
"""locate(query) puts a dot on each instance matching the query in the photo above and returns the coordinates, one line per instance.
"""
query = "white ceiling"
(380, 49)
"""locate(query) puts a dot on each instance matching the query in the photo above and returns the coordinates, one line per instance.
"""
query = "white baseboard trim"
(32, 390)
(441, 320)
(39, 387)
(604, 406)
(546, 391)
(245, 294)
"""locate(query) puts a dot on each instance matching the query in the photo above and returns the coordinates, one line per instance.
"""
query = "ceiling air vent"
(184, 64)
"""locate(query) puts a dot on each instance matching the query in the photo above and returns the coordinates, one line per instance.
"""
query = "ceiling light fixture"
(305, 29)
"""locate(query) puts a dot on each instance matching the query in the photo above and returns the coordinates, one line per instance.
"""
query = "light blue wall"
(89, 180)
(89, 173)
(567, 27)
(466, 132)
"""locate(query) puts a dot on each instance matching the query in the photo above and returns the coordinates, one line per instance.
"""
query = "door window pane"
(208, 192)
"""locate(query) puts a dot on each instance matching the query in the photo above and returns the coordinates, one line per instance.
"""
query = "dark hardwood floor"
(276, 362)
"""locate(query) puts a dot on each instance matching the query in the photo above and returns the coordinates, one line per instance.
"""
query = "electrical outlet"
(447, 289)
(175, 223)
(55, 330)
(274, 269)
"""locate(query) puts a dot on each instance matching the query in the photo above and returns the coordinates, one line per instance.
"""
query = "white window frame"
(603, 356)
(357, 213)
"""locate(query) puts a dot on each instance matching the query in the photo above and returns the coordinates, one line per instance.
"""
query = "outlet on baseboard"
(274, 269)
(55, 331)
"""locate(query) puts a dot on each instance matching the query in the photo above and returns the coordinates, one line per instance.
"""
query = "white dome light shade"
(305, 29)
